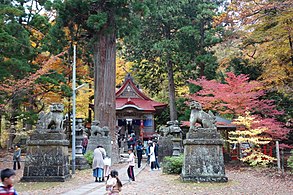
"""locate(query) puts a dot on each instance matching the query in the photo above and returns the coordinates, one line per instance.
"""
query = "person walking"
(113, 184)
(147, 151)
(156, 150)
(84, 144)
(98, 163)
(129, 141)
(107, 167)
(139, 151)
(16, 157)
(131, 164)
(133, 140)
(152, 156)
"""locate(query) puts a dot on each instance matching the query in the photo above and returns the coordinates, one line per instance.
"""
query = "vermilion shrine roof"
(130, 96)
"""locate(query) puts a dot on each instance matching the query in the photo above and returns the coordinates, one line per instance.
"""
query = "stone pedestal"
(104, 141)
(176, 146)
(166, 147)
(203, 156)
(47, 157)
(80, 162)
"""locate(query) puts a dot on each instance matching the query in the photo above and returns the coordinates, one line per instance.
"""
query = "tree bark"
(104, 89)
(171, 83)
(171, 86)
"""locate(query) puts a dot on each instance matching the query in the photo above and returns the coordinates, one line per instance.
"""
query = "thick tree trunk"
(171, 86)
(105, 77)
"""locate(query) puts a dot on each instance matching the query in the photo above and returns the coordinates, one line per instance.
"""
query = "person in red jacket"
(84, 144)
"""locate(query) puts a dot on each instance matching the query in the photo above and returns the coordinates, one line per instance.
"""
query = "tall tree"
(173, 45)
(27, 74)
(15, 56)
(101, 22)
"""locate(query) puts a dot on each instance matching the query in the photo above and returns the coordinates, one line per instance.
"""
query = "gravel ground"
(242, 180)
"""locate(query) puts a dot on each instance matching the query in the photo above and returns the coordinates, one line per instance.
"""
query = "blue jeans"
(83, 150)
(98, 172)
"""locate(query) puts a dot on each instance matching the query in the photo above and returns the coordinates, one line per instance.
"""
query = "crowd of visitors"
(136, 149)
(102, 163)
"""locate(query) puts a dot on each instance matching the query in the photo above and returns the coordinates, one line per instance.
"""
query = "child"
(107, 165)
(131, 164)
(7, 178)
(113, 184)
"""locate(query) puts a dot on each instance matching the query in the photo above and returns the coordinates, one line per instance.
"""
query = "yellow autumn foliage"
(122, 68)
(253, 136)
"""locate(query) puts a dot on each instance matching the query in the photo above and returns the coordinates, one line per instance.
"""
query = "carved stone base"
(203, 157)
(46, 158)
(81, 163)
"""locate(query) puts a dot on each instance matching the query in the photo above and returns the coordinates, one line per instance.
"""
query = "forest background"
(232, 56)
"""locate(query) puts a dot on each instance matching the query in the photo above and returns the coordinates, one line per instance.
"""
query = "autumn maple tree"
(237, 95)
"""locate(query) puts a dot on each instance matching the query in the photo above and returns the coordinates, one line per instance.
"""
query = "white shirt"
(107, 161)
(152, 154)
(131, 160)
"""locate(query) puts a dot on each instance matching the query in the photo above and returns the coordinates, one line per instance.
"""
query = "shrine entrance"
(135, 112)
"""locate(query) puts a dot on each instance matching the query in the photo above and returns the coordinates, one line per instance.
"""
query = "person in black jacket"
(139, 151)
(157, 164)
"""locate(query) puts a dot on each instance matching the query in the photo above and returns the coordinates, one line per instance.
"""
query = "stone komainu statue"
(164, 130)
(96, 130)
(173, 128)
(52, 120)
(197, 115)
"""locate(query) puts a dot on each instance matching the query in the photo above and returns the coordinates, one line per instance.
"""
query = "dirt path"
(241, 181)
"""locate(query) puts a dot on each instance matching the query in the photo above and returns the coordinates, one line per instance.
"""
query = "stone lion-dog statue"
(197, 115)
(52, 120)
(96, 130)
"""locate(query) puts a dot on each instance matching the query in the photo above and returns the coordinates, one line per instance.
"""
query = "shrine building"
(135, 111)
